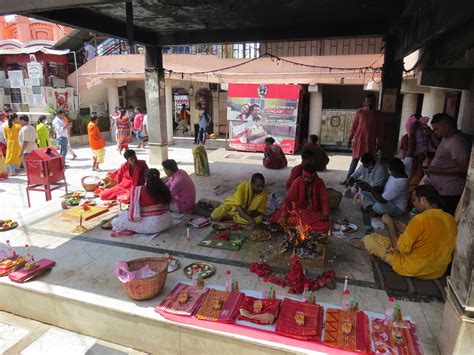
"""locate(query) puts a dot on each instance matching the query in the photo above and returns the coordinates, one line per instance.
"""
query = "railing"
(226, 50)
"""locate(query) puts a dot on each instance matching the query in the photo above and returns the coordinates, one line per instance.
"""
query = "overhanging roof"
(164, 22)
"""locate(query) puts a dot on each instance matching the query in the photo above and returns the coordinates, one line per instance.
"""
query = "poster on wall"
(258, 111)
(16, 78)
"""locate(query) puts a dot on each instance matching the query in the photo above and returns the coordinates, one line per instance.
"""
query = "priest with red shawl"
(307, 158)
(132, 173)
(308, 198)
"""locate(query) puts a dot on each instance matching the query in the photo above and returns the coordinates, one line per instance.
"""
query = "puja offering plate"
(73, 201)
(345, 228)
(219, 226)
(7, 225)
(207, 270)
(75, 194)
(259, 235)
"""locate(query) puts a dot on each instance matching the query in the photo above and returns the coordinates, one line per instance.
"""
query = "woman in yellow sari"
(42, 132)
(11, 132)
(246, 205)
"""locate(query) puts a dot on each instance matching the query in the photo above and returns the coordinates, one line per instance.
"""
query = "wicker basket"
(90, 187)
(335, 198)
(145, 289)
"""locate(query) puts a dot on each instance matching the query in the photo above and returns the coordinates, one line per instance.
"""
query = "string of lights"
(361, 70)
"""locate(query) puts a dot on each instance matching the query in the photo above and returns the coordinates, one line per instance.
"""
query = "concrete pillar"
(315, 113)
(408, 109)
(169, 112)
(466, 111)
(112, 102)
(156, 104)
(433, 102)
(215, 111)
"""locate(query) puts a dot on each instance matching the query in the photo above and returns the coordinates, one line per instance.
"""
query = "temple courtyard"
(82, 293)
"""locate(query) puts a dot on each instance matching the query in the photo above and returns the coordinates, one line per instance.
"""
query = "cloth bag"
(201, 163)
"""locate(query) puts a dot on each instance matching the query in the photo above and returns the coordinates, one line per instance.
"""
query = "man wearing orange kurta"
(96, 143)
(425, 246)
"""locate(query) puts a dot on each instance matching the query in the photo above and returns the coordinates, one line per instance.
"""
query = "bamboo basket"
(90, 187)
(150, 287)
(335, 198)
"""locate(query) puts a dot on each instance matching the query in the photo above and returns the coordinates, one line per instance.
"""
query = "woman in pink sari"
(273, 158)
(149, 210)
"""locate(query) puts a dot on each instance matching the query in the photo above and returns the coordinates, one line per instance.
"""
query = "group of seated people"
(151, 199)
(423, 248)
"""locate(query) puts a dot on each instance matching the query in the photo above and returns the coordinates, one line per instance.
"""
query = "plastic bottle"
(353, 303)
(228, 281)
(265, 290)
(397, 313)
(273, 202)
(270, 291)
(311, 297)
(10, 251)
(195, 276)
(346, 300)
(305, 295)
(390, 309)
(200, 280)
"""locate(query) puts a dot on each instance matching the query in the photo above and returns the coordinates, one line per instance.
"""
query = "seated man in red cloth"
(320, 156)
(132, 173)
(273, 156)
(307, 158)
(308, 198)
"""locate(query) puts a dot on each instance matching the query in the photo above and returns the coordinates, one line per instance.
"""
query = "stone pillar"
(169, 112)
(112, 102)
(215, 111)
(315, 113)
(391, 103)
(457, 332)
(156, 104)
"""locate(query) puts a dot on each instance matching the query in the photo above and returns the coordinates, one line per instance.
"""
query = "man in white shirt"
(394, 199)
(27, 137)
(61, 130)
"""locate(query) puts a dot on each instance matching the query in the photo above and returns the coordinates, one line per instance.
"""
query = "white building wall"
(466, 111)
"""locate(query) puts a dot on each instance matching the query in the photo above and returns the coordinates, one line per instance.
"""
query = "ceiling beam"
(95, 22)
(21, 7)
(307, 32)
(426, 20)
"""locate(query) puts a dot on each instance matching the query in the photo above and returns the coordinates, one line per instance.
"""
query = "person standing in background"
(11, 131)
(448, 169)
(60, 128)
(366, 132)
(27, 137)
(69, 129)
(89, 51)
(96, 143)
(42, 132)
(195, 117)
(138, 127)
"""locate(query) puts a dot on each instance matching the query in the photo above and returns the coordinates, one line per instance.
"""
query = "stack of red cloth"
(311, 327)
(172, 305)
(347, 330)
(384, 335)
(228, 310)
(266, 315)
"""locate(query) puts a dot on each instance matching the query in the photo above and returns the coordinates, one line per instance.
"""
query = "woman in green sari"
(42, 132)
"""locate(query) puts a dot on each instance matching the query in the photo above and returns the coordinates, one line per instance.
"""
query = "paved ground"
(27, 337)
(50, 234)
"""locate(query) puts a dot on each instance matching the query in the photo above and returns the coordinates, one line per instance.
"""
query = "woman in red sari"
(308, 198)
(124, 130)
(149, 210)
(273, 158)
(132, 173)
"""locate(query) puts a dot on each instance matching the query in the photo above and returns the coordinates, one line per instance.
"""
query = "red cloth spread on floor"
(172, 305)
(125, 181)
(286, 324)
(358, 339)
(384, 341)
(270, 307)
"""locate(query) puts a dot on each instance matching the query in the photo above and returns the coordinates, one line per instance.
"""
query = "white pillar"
(408, 109)
(466, 111)
(315, 113)
(433, 102)
(169, 112)
(112, 102)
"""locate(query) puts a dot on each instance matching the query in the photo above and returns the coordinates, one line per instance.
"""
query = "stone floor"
(27, 337)
(80, 256)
